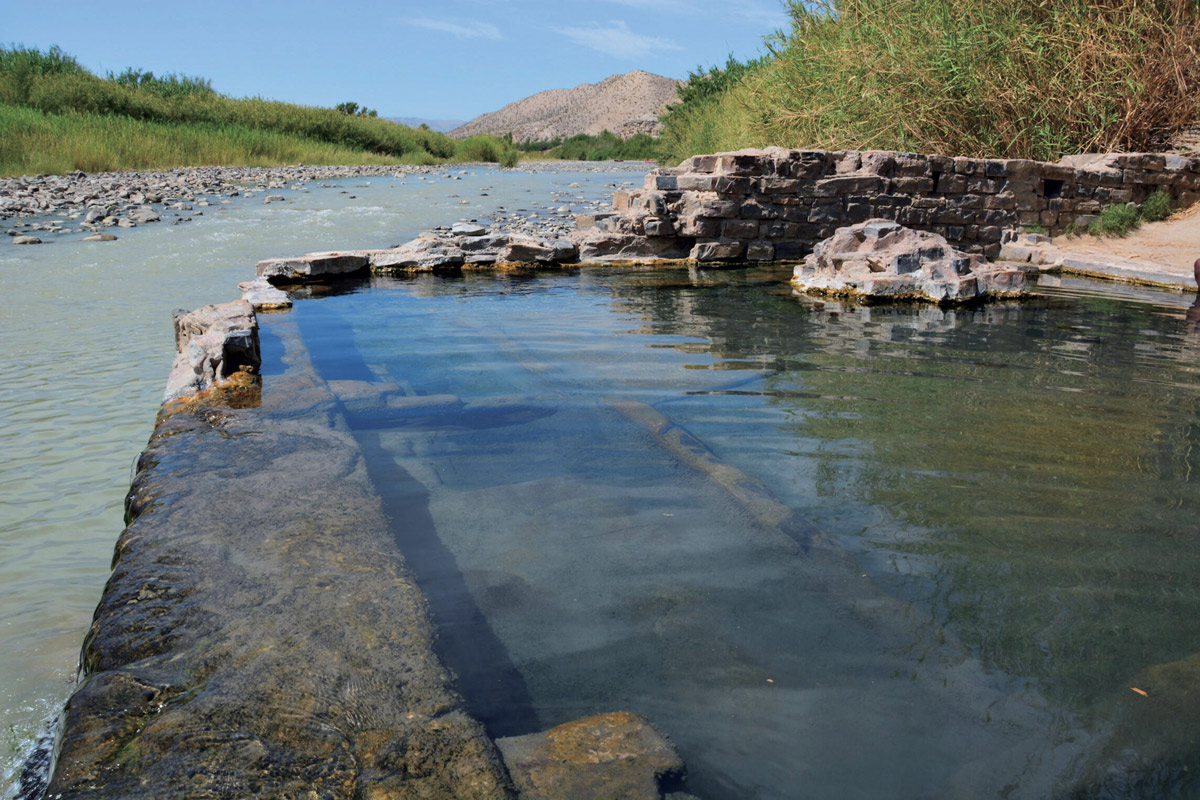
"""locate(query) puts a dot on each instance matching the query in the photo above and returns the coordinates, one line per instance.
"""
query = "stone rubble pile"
(883, 259)
(776, 204)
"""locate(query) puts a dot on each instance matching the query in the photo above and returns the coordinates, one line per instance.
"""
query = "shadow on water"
(494, 689)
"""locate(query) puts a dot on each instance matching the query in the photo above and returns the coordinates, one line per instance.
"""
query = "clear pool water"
(993, 540)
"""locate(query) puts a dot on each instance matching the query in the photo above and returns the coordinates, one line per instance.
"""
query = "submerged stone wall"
(776, 204)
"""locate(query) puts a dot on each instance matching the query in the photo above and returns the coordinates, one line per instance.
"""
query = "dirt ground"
(1173, 243)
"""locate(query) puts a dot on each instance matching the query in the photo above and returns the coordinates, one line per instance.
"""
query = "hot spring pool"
(986, 532)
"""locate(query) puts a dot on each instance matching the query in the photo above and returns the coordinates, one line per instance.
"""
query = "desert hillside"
(624, 104)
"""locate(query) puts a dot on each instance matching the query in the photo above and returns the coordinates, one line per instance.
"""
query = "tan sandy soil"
(1173, 244)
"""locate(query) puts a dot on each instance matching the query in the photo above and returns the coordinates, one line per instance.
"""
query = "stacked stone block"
(776, 204)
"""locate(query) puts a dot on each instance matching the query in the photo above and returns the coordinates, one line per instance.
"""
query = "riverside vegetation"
(57, 117)
(997, 78)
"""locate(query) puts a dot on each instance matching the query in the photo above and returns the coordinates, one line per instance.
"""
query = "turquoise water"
(991, 541)
(85, 346)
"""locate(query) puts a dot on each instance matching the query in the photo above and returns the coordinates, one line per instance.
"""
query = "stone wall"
(775, 204)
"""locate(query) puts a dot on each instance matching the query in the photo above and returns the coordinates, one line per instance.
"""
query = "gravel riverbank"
(83, 203)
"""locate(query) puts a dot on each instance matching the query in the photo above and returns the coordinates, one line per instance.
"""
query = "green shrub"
(1157, 206)
(1116, 220)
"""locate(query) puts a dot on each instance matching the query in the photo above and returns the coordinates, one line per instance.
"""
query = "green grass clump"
(1116, 220)
(1157, 206)
(1006, 78)
(1122, 218)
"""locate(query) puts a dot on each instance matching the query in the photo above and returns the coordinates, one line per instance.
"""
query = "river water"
(85, 346)
(990, 540)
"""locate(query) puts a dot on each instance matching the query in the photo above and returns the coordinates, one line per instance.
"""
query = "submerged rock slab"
(883, 259)
(248, 647)
(213, 343)
(605, 757)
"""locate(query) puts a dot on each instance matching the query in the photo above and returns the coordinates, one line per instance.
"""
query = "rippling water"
(85, 345)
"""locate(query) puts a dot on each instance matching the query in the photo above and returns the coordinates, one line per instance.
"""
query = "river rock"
(607, 756)
(146, 215)
(100, 237)
(211, 344)
(26, 240)
(311, 266)
(260, 294)
(880, 258)
(467, 229)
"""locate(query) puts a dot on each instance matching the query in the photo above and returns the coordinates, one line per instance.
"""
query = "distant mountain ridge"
(439, 125)
(624, 104)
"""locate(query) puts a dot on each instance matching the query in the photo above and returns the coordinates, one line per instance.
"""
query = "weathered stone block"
(696, 183)
(825, 211)
(754, 209)
(912, 185)
(699, 227)
(727, 186)
(952, 184)
(740, 229)
(719, 208)
(746, 162)
(717, 251)
(662, 182)
(659, 227)
(911, 165)
(702, 164)
(851, 184)
(778, 185)
(760, 251)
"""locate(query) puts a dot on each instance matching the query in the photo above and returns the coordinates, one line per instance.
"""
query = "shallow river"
(85, 346)
(987, 540)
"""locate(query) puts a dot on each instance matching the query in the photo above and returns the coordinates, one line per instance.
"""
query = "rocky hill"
(624, 104)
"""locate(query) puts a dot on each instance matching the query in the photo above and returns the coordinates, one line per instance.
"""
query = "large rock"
(212, 344)
(423, 254)
(880, 258)
(605, 757)
(312, 266)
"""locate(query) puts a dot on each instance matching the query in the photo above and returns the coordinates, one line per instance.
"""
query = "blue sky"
(451, 59)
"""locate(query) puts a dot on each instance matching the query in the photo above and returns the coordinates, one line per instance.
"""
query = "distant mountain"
(439, 125)
(624, 104)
